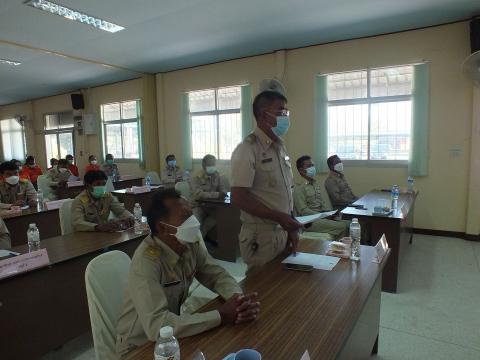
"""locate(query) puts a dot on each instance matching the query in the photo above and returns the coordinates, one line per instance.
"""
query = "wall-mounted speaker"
(77, 101)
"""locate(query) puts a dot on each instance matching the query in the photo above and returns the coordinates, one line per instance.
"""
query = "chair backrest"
(106, 281)
(65, 214)
(184, 188)
(42, 183)
(154, 178)
(109, 185)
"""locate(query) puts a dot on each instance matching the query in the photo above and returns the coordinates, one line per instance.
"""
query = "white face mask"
(20, 167)
(338, 167)
(189, 231)
(93, 162)
(12, 180)
(62, 170)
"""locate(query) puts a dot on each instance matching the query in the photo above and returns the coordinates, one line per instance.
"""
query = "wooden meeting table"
(332, 314)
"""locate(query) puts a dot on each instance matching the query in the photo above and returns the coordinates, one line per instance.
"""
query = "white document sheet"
(4, 253)
(320, 262)
(311, 218)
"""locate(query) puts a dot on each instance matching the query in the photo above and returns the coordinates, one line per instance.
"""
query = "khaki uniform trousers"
(336, 228)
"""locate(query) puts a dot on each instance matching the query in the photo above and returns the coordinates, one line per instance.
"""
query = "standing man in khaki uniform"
(162, 270)
(339, 192)
(262, 183)
(92, 207)
(172, 173)
(307, 198)
(208, 184)
(57, 178)
(5, 242)
(13, 190)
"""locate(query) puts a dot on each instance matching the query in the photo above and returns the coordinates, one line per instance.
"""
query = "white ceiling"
(163, 35)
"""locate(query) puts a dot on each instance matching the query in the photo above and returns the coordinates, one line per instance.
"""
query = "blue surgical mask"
(211, 170)
(110, 162)
(283, 123)
(311, 171)
(99, 191)
(172, 163)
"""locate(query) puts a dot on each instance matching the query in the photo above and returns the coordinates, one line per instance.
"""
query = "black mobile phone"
(297, 267)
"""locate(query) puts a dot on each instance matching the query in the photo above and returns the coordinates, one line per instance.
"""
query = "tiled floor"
(435, 315)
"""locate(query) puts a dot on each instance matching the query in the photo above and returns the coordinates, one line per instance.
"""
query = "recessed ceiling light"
(9, 62)
(74, 15)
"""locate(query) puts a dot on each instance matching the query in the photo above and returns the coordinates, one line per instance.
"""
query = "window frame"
(217, 114)
(24, 140)
(369, 100)
(57, 132)
(121, 122)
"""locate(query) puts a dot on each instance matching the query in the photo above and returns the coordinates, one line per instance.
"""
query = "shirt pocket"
(174, 290)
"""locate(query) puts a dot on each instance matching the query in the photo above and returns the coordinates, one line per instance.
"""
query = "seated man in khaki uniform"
(208, 184)
(13, 190)
(307, 200)
(57, 178)
(162, 270)
(5, 242)
(172, 173)
(110, 168)
(338, 190)
(92, 207)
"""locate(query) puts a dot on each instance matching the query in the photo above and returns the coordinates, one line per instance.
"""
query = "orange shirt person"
(71, 166)
(92, 164)
(31, 169)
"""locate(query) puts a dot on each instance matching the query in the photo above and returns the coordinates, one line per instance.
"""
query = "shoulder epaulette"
(152, 252)
(252, 138)
(84, 199)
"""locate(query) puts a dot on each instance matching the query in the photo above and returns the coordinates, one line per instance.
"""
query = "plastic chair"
(106, 280)
(154, 178)
(65, 213)
(184, 188)
(42, 183)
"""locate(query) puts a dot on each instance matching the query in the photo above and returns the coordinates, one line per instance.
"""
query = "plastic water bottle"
(39, 200)
(33, 236)
(148, 182)
(355, 234)
(167, 347)
(186, 175)
(137, 214)
(114, 174)
(394, 195)
(410, 183)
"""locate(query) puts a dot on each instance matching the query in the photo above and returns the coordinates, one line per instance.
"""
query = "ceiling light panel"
(74, 15)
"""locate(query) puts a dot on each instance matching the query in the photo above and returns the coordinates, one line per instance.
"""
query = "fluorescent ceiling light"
(9, 62)
(74, 15)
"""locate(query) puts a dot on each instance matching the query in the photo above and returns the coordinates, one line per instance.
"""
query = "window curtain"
(187, 131)
(246, 110)
(141, 138)
(418, 163)
(320, 124)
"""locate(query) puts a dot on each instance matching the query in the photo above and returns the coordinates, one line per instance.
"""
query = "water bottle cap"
(166, 332)
(137, 204)
(354, 220)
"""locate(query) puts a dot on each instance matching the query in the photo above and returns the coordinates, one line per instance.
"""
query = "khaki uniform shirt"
(108, 169)
(10, 194)
(263, 166)
(308, 199)
(339, 191)
(54, 177)
(171, 175)
(88, 212)
(5, 242)
(158, 285)
(206, 186)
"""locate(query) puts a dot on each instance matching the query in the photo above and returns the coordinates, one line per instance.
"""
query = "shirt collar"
(265, 139)
(167, 254)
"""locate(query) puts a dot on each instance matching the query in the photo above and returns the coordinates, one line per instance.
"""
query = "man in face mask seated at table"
(307, 200)
(162, 270)
(57, 178)
(338, 190)
(92, 207)
(13, 190)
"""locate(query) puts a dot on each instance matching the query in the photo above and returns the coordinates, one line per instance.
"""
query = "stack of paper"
(311, 218)
(320, 262)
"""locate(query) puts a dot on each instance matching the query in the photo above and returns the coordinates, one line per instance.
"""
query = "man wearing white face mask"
(338, 190)
(207, 184)
(162, 270)
(262, 184)
(308, 200)
(58, 177)
(13, 190)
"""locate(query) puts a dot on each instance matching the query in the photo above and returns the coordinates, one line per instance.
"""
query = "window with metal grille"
(370, 113)
(59, 138)
(216, 121)
(120, 129)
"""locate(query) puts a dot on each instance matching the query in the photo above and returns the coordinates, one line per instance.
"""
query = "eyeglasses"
(281, 113)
